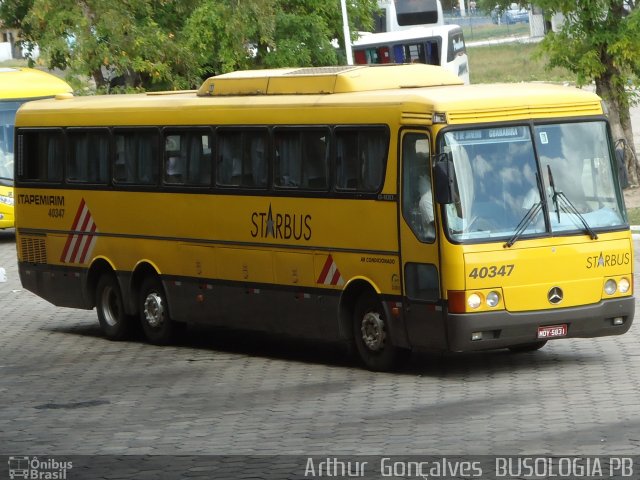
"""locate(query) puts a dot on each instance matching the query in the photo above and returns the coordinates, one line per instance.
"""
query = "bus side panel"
(57, 285)
(259, 307)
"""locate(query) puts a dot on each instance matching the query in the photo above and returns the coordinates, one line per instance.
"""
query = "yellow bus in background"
(391, 207)
(18, 85)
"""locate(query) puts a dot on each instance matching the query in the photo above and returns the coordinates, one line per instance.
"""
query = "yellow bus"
(18, 85)
(391, 207)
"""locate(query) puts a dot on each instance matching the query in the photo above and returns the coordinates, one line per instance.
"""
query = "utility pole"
(463, 12)
(347, 32)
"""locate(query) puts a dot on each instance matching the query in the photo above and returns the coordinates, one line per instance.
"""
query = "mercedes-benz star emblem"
(555, 295)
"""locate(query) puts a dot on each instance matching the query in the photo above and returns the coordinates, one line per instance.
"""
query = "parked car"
(511, 15)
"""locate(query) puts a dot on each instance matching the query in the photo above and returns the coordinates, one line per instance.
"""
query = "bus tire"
(157, 325)
(114, 322)
(371, 336)
(528, 347)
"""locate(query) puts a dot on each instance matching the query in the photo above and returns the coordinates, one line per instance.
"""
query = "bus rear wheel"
(371, 336)
(114, 322)
(158, 327)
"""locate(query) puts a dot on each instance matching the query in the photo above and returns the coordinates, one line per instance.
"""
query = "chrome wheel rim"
(109, 306)
(154, 310)
(373, 331)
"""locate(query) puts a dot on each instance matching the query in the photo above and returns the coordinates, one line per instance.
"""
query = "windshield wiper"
(563, 203)
(527, 219)
(524, 223)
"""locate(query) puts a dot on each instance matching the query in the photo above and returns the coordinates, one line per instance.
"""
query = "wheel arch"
(142, 270)
(99, 266)
(355, 288)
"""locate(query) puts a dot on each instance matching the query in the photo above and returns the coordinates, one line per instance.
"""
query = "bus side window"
(135, 160)
(360, 159)
(88, 160)
(42, 157)
(199, 169)
(243, 161)
(432, 52)
(288, 165)
(175, 158)
(147, 172)
(257, 170)
(398, 54)
(301, 158)
(414, 53)
(346, 160)
(315, 159)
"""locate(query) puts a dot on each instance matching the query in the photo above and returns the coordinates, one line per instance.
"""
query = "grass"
(474, 33)
(512, 62)
(634, 216)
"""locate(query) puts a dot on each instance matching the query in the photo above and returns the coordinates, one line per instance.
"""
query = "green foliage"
(168, 44)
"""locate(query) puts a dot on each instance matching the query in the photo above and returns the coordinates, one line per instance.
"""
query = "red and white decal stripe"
(330, 274)
(80, 244)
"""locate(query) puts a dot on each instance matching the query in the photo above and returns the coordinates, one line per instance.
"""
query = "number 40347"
(56, 212)
(492, 271)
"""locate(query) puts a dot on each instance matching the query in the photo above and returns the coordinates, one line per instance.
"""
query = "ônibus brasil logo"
(40, 469)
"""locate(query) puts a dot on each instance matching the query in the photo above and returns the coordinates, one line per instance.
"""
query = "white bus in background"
(404, 14)
(441, 45)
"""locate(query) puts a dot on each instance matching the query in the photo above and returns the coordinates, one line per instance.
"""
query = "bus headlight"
(610, 286)
(474, 300)
(493, 298)
(624, 285)
(6, 200)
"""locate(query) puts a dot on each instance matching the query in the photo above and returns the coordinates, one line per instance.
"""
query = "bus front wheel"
(114, 322)
(371, 336)
(157, 325)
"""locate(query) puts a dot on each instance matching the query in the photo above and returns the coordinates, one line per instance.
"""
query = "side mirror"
(444, 176)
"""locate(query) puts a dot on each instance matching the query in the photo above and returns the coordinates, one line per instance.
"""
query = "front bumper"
(505, 329)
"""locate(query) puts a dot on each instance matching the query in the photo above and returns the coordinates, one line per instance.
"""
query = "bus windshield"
(7, 118)
(503, 187)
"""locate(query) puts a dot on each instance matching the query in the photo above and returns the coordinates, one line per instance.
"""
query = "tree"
(598, 42)
(225, 35)
(103, 39)
(160, 44)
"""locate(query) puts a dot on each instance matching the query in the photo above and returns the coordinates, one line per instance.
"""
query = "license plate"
(552, 331)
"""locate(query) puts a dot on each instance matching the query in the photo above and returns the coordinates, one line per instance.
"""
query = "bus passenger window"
(414, 53)
(42, 156)
(135, 161)
(242, 161)
(288, 167)
(199, 164)
(315, 159)
(88, 156)
(432, 52)
(301, 158)
(175, 159)
(372, 56)
(360, 159)
(347, 160)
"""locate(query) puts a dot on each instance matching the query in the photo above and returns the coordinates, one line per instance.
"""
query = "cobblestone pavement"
(64, 390)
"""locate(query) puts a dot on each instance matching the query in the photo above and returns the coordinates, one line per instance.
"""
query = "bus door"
(418, 244)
